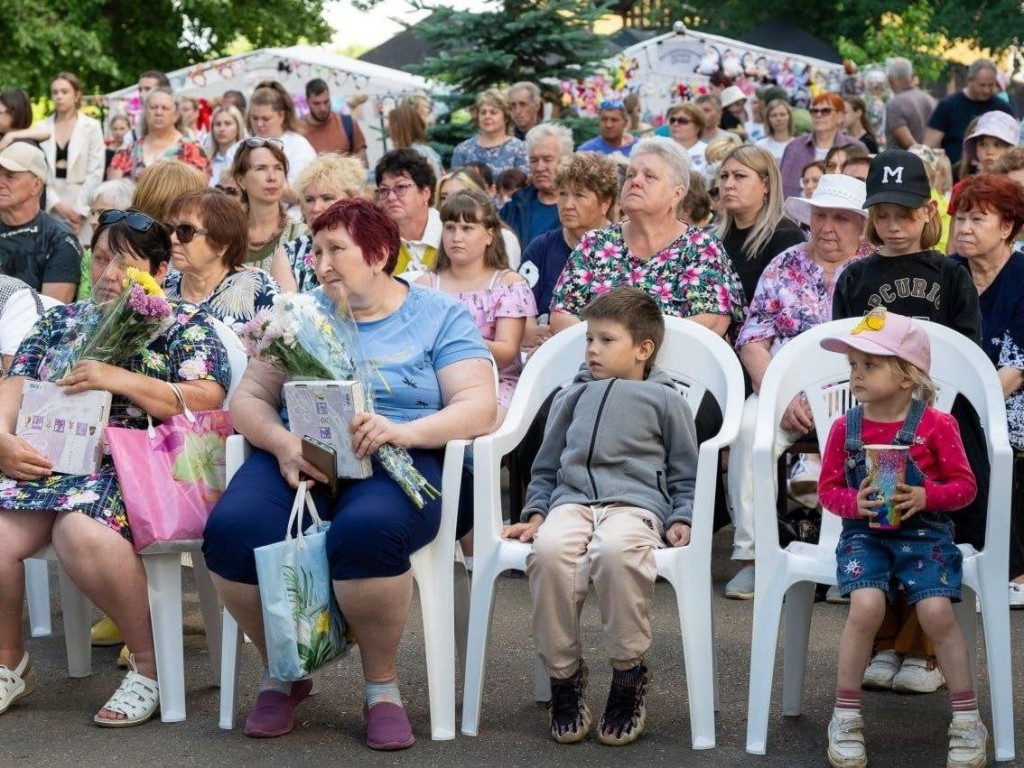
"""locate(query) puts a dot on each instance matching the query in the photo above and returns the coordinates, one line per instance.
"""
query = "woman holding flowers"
(84, 517)
(432, 383)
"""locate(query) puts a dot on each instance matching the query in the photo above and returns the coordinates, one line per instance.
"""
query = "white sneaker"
(741, 586)
(880, 672)
(1016, 595)
(16, 683)
(968, 742)
(916, 677)
(846, 740)
(803, 480)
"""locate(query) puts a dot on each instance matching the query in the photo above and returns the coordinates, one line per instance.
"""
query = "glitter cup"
(887, 468)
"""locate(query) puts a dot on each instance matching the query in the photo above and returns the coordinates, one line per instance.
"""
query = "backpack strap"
(350, 132)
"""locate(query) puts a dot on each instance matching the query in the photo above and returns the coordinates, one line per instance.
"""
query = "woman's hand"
(524, 532)
(798, 417)
(20, 461)
(908, 499)
(678, 534)
(866, 506)
(293, 467)
(370, 431)
(90, 375)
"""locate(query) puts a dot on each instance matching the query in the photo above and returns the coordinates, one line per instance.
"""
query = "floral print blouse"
(791, 297)
(692, 276)
(300, 257)
(511, 154)
(131, 163)
(238, 297)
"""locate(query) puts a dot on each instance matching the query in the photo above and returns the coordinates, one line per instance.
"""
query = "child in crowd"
(509, 181)
(614, 477)
(890, 357)
(473, 267)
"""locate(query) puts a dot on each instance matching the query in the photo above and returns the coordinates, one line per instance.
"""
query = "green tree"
(108, 43)
(911, 34)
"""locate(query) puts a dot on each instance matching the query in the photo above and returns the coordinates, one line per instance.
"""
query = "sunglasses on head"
(229, 191)
(136, 220)
(679, 121)
(255, 142)
(185, 232)
(611, 104)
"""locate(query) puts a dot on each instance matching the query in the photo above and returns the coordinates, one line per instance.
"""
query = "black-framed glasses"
(679, 121)
(136, 220)
(255, 142)
(229, 191)
(185, 232)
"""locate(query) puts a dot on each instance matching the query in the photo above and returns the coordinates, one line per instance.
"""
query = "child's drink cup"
(887, 468)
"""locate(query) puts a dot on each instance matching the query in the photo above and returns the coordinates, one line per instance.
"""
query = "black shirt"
(786, 235)
(954, 113)
(42, 251)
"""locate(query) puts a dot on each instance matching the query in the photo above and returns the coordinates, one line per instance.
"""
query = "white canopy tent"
(293, 67)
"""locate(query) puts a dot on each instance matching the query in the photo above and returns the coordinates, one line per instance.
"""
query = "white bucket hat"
(997, 124)
(834, 191)
(731, 95)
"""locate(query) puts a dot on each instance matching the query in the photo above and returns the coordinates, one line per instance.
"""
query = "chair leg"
(231, 641)
(995, 616)
(764, 642)
(481, 606)
(798, 606)
(163, 578)
(37, 590)
(437, 605)
(77, 612)
(209, 605)
(462, 581)
(694, 603)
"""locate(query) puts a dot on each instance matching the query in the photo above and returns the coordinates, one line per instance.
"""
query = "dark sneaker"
(570, 716)
(626, 711)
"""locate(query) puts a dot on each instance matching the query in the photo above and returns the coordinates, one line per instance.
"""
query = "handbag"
(171, 476)
(302, 623)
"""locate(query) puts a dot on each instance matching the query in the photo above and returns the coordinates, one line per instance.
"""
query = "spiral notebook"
(323, 410)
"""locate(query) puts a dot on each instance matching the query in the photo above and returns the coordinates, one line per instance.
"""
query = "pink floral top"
(131, 163)
(791, 297)
(692, 276)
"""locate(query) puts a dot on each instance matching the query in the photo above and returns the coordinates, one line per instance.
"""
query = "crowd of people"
(727, 215)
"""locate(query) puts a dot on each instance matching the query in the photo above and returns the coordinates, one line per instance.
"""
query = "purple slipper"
(273, 714)
(387, 727)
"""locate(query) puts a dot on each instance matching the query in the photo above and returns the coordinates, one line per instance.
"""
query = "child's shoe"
(881, 671)
(846, 740)
(570, 716)
(626, 711)
(968, 741)
(918, 675)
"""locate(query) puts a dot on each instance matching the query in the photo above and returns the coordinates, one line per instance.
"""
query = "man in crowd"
(405, 187)
(613, 137)
(234, 99)
(949, 121)
(524, 101)
(35, 247)
(532, 210)
(711, 106)
(907, 112)
(328, 132)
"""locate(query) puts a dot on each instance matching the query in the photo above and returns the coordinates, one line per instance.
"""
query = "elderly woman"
(989, 215)
(779, 128)
(794, 293)
(685, 270)
(827, 110)
(494, 145)
(752, 226)
(209, 232)
(329, 178)
(227, 128)
(84, 517)
(433, 384)
(686, 126)
(587, 184)
(163, 139)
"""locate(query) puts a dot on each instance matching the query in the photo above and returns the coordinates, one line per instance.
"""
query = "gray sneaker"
(741, 586)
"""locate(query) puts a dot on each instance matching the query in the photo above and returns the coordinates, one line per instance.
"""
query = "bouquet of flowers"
(117, 330)
(306, 337)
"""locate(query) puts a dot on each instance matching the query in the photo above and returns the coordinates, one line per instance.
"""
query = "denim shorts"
(921, 556)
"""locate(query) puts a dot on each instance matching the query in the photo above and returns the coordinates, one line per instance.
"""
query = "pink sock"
(848, 698)
(963, 701)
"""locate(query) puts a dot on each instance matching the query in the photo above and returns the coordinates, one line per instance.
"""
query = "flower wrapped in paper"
(306, 336)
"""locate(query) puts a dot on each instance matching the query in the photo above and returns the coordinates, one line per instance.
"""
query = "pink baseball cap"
(886, 334)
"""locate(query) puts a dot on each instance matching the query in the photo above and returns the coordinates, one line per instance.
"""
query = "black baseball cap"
(897, 176)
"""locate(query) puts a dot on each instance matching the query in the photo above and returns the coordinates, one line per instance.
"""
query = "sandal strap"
(136, 696)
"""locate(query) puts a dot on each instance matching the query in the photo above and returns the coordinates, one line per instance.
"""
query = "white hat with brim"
(996, 124)
(23, 157)
(731, 95)
(834, 191)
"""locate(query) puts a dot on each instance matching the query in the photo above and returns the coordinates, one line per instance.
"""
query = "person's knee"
(867, 610)
(77, 536)
(935, 615)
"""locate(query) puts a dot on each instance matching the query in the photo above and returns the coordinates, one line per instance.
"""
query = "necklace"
(255, 245)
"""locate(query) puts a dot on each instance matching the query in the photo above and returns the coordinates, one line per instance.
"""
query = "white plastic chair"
(958, 366)
(701, 362)
(433, 568)
(162, 561)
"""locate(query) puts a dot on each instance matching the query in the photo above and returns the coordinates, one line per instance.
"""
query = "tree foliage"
(910, 34)
(108, 43)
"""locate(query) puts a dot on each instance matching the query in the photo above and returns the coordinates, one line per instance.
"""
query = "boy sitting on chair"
(615, 473)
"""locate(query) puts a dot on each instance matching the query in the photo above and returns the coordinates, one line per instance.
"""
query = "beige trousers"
(612, 545)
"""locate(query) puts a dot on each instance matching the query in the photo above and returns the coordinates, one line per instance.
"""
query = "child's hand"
(678, 534)
(523, 531)
(908, 499)
(866, 506)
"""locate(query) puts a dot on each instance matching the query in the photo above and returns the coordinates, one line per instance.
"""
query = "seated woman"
(209, 234)
(434, 384)
(84, 517)
(793, 294)
(163, 139)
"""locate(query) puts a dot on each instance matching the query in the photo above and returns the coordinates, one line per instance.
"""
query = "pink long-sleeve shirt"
(937, 450)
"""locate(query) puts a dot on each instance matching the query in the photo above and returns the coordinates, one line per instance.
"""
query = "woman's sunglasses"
(255, 142)
(185, 232)
(229, 191)
(679, 121)
(136, 220)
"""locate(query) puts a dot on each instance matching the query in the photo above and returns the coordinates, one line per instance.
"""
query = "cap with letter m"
(897, 176)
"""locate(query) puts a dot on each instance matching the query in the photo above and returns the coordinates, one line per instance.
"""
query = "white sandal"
(16, 683)
(137, 698)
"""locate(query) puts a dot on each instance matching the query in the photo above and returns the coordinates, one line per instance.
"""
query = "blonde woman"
(494, 144)
(780, 128)
(227, 128)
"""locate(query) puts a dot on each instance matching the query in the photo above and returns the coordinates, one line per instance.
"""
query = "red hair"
(834, 100)
(992, 193)
(368, 225)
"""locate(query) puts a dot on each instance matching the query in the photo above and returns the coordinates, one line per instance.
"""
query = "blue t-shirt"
(528, 217)
(598, 144)
(542, 263)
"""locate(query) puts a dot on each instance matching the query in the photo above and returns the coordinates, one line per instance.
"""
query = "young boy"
(614, 474)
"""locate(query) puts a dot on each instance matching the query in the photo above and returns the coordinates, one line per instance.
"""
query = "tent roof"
(792, 39)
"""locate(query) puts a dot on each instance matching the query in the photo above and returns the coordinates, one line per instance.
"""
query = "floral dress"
(189, 351)
(300, 257)
(510, 154)
(238, 297)
(495, 301)
(131, 162)
(692, 276)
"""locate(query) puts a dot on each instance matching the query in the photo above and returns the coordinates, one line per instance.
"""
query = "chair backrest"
(236, 353)
(958, 367)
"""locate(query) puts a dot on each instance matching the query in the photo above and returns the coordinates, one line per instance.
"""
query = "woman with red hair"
(826, 116)
(989, 217)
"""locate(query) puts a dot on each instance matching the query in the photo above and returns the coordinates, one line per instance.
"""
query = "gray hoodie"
(617, 441)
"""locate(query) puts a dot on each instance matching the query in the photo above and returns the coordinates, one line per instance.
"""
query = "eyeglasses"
(611, 104)
(229, 191)
(400, 190)
(255, 142)
(679, 121)
(820, 111)
(185, 232)
(136, 220)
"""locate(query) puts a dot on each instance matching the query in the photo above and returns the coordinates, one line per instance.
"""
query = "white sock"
(378, 693)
